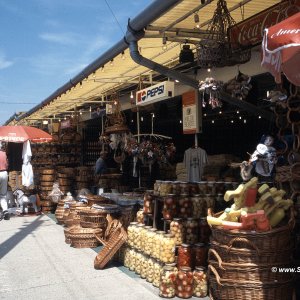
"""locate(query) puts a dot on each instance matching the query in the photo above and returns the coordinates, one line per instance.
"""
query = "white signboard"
(155, 93)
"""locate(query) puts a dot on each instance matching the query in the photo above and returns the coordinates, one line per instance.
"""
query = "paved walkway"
(36, 263)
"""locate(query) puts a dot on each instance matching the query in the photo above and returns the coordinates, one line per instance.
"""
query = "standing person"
(101, 166)
(3, 181)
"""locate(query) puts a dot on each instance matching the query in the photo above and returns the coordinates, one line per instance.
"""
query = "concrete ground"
(36, 263)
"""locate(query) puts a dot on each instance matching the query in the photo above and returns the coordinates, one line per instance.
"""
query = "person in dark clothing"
(101, 166)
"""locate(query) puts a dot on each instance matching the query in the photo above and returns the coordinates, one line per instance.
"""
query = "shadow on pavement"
(9, 244)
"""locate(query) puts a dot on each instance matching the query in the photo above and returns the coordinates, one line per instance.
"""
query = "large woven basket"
(261, 272)
(92, 218)
(247, 252)
(233, 289)
(116, 239)
(277, 238)
(84, 237)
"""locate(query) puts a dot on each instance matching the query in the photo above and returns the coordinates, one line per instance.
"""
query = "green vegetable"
(276, 216)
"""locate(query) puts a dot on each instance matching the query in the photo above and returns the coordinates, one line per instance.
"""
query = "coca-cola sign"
(250, 32)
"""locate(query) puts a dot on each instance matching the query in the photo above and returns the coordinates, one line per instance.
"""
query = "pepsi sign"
(154, 93)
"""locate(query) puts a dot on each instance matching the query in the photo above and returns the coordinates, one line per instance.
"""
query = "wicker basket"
(278, 238)
(92, 218)
(84, 237)
(249, 271)
(232, 289)
(117, 238)
(283, 174)
(247, 252)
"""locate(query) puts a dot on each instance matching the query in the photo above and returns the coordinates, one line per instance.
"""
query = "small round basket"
(84, 237)
(92, 218)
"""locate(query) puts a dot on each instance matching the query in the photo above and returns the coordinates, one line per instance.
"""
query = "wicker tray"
(111, 246)
(226, 289)
(84, 237)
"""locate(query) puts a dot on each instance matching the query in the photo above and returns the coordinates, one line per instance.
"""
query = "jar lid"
(168, 268)
(185, 245)
(171, 264)
(185, 269)
(148, 227)
(196, 195)
(171, 195)
(153, 229)
(169, 235)
(133, 223)
(184, 195)
(199, 245)
(200, 269)
(177, 219)
(141, 225)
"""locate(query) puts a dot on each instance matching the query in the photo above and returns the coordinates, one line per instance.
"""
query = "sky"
(45, 43)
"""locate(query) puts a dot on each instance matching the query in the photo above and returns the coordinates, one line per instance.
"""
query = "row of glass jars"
(182, 283)
(163, 188)
(144, 265)
(182, 206)
(171, 282)
(161, 245)
(158, 244)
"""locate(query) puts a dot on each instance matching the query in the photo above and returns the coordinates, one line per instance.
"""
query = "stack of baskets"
(65, 180)
(245, 264)
(15, 180)
(83, 177)
(46, 178)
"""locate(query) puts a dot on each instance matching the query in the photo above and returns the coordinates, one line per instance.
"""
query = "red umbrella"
(20, 134)
(281, 49)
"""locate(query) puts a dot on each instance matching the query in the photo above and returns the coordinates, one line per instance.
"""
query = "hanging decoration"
(239, 86)
(211, 87)
(216, 50)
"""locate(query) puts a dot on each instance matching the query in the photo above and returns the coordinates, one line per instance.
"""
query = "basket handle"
(217, 256)
(218, 278)
(242, 240)
(102, 241)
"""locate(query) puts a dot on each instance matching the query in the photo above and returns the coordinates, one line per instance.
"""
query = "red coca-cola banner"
(250, 32)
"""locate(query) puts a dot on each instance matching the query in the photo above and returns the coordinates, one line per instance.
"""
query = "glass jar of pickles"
(148, 203)
(184, 283)
(138, 262)
(166, 188)
(156, 187)
(200, 255)
(191, 231)
(176, 188)
(184, 188)
(131, 233)
(149, 241)
(167, 282)
(193, 188)
(184, 258)
(197, 201)
(169, 208)
(143, 237)
(167, 248)
(204, 231)
(156, 244)
(126, 257)
(138, 239)
(199, 282)
(131, 262)
(140, 216)
(177, 229)
(144, 266)
(150, 269)
(184, 207)
(157, 267)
